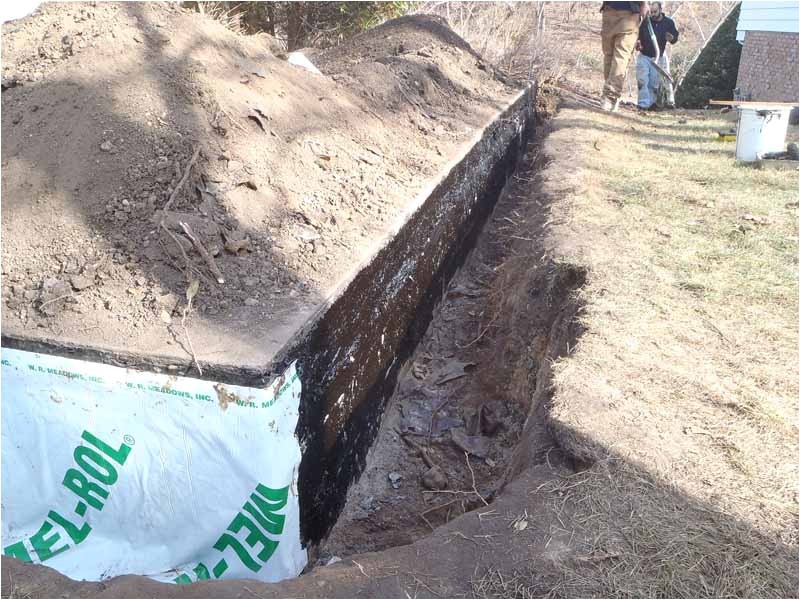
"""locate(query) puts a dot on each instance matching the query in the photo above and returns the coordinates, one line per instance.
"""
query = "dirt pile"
(296, 175)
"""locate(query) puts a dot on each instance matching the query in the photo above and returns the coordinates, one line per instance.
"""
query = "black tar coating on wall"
(349, 354)
(349, 363)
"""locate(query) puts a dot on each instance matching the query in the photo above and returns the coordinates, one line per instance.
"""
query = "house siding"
(768, 16)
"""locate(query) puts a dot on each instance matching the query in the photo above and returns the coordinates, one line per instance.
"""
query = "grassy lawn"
(682, 393)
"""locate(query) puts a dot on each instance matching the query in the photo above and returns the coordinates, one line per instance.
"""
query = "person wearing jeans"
(652, 85)
(619, 32)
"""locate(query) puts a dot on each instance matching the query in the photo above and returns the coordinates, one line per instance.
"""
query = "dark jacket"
(660, 28)
(629, 6)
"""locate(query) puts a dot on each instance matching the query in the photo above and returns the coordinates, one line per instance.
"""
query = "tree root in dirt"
(212, 265)
(434, 478)
(193, 284)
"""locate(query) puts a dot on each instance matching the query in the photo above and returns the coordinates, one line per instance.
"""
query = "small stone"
(394, 479)
(53, 288)
(141, 280)
(250, 281)
(81, 282)
(165, 316)
(251, 302)
(168, 300)
(434, 479)
(106, 146)
(126, 202)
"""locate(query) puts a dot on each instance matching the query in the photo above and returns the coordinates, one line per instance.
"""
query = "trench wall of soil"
(350, 352)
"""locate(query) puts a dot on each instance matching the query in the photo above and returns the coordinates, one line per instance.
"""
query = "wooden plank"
(743, 103)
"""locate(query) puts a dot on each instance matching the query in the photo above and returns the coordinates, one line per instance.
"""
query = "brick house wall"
(768, 67)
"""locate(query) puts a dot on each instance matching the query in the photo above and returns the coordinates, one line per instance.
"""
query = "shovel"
(654, 61)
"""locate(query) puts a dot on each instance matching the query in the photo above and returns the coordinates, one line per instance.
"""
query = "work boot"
(609, 105)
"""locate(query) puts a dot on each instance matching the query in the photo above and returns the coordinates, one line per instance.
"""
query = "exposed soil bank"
(298, 176)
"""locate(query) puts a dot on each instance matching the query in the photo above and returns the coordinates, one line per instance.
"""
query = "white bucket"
(762, 129)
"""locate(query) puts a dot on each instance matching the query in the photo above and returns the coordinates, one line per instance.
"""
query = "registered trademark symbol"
(128, 439)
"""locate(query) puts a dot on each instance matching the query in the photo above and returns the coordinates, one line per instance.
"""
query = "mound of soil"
(296, 176)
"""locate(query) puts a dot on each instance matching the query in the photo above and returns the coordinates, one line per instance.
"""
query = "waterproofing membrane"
(108, 471)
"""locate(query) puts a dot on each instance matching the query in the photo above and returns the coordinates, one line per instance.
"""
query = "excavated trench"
(417, 384)
(466, 414)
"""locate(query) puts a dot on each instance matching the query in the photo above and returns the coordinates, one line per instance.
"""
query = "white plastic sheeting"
(298, 59)
(108, 471)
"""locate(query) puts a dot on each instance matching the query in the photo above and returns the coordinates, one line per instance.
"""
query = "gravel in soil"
(298, 175)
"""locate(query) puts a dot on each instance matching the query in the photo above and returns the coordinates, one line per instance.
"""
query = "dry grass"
(682, 394)
(221, 12)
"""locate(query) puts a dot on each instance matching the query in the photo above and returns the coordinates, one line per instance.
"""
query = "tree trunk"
(295, 30)
(270, 24)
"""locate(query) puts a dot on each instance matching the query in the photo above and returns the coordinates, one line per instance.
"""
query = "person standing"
(619, 32)
(653, 85)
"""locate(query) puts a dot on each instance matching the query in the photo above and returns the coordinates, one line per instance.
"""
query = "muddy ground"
(296, 175)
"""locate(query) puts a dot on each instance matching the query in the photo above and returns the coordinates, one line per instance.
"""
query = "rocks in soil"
(482, 421)
(236, 242)
(489, 421)
(53, 288)
(434, 479)
(81, 282)
(476, 445)
(394, 479)
(53, 294)
(454, 370)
